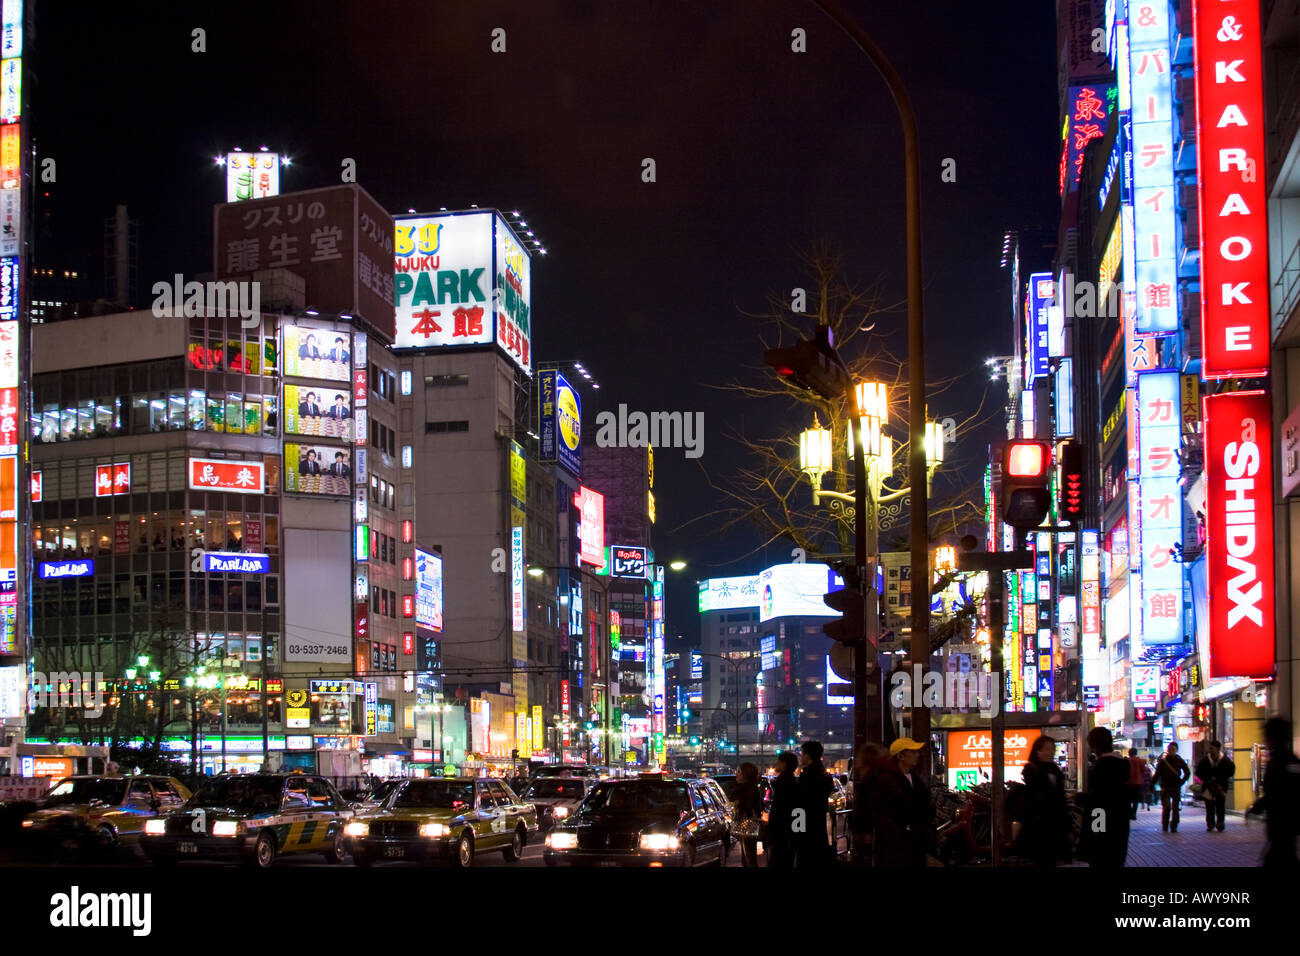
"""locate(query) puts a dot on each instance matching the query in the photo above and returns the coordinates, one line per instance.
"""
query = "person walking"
(1148, 784)
(1044, 837)
(1281, 799)
(811, 844)
(867, 765)
(1135, 764)
(1215, 772)
(777, 838)
(749, 813)
(901, 811)
(1172, 772)
(1106, 825)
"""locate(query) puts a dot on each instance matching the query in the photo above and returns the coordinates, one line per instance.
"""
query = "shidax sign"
(191, 300)
(68, 689)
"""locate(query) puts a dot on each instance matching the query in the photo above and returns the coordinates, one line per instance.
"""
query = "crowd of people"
(891, 823)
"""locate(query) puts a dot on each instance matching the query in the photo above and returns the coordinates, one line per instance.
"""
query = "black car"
(556, 798)
(647, 821)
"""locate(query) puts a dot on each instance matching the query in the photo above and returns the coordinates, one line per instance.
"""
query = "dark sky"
(759, 150)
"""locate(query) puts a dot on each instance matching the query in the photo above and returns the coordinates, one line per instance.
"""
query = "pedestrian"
(1044, 837)
(1281, 800)
(901, 811)
(1106, 824)
(1134, 782)
(812, 845)
(777, 838)
(1215, 772)
(748, 803)
(1172, 772)
(867, 765)
(1148, 784)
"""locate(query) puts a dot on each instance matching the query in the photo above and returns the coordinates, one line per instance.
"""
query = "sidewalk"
(1240, 844)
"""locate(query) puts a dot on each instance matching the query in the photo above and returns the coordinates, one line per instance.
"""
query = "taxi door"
(298, 816)
(489, 819)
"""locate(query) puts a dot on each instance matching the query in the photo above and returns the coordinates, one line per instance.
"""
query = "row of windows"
(142, 594)
(383, 547)
(383, 602)
(148, 412)
(382, 493)
(437, 428)
(383, 437)
(165, 531)
(71, 479)
(382, 382)
(445, 381)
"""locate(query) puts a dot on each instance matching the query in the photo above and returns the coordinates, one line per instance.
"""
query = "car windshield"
(241, 793)
(435, 794)
(554, 787)
(383, 790)
(88, 791)
(639, 797)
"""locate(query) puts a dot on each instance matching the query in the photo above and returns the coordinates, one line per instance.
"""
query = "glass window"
(273, 590)
(253, 649)
(271, 423)
(253, 417)
(271, 534)
(158, 412)
(50, 423)
(253, 594)
(216, 415)
(234, 412)
(196, 418)
(177, 409)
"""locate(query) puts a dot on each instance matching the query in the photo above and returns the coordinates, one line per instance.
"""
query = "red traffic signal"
(1070, 506)
(811, 365)
(851, 628)
(1025, 498)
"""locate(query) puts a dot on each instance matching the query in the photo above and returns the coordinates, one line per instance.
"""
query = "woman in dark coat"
(749, 813)
(1046, 822)
(778, 838)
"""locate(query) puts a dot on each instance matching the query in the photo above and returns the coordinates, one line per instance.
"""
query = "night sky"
(759, 151)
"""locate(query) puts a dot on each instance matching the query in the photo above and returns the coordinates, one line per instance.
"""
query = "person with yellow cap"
(901, 809)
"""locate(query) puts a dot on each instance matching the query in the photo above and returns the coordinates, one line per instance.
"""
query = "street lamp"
(815, 455)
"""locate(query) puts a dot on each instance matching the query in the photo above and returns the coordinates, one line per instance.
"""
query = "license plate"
(394, 851)
(187, 846)
(607, 862)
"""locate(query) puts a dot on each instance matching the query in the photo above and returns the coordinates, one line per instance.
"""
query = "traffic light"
(695, 740)
(850, 629)
(812, 365)
(1070, 505)
(686, 715)
(589, 725)
(1024, 483)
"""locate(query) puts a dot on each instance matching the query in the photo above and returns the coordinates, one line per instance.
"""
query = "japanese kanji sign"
(1159, 414)
(218, 474)
(1230, 188)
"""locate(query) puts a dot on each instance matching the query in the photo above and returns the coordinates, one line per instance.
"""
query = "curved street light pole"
(915, 348)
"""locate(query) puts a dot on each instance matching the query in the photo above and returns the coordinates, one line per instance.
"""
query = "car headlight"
(434, 830)
(29, 823)
(225, 828)
(658, 841)
(560, 812)
(151, 827)
(357, 829)
(562, 841)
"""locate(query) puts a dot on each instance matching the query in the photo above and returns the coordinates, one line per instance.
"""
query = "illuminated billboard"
(221, 474)
(462, 279)
(252, 176)
(428, 590)
(322, 412)
(628, 562)
(796, 590)
(591, 525)
(317, 353)
(559, 412)
(318, 469)
(728, 594)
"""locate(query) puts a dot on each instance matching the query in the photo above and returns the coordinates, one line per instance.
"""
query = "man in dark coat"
(1171, 773)
(777, 838)
(901, 811)
(1216, 772)
(811, 843)
(1106, 824)
(1281, 799)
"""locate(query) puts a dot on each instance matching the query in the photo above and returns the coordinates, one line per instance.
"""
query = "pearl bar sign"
(1230, 163)
(236, 562)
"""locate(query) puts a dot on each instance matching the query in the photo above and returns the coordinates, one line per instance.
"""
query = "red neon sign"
(1230, 188)
(1239, 533)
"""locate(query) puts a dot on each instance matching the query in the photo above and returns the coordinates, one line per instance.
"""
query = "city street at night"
(622, 435)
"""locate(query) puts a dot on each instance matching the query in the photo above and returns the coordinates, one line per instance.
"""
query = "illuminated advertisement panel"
(1145, 679)
(591, 525)
(318, 469)
(322, 412)
(443, 279)
(728, 594)
(252, 176)
(1150, 72)
(1230, 188)
(517, 579)
(1042, 290)
(317, 353)
(1239, 533)
(789, 590)
(513, 291)
(627, 562)
(223, 474)
(428, 590)
(1159, 415)
(1089, 107)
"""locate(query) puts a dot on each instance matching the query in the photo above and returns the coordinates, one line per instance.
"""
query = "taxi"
(252, 818)
(102, 812)
(443, 818)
